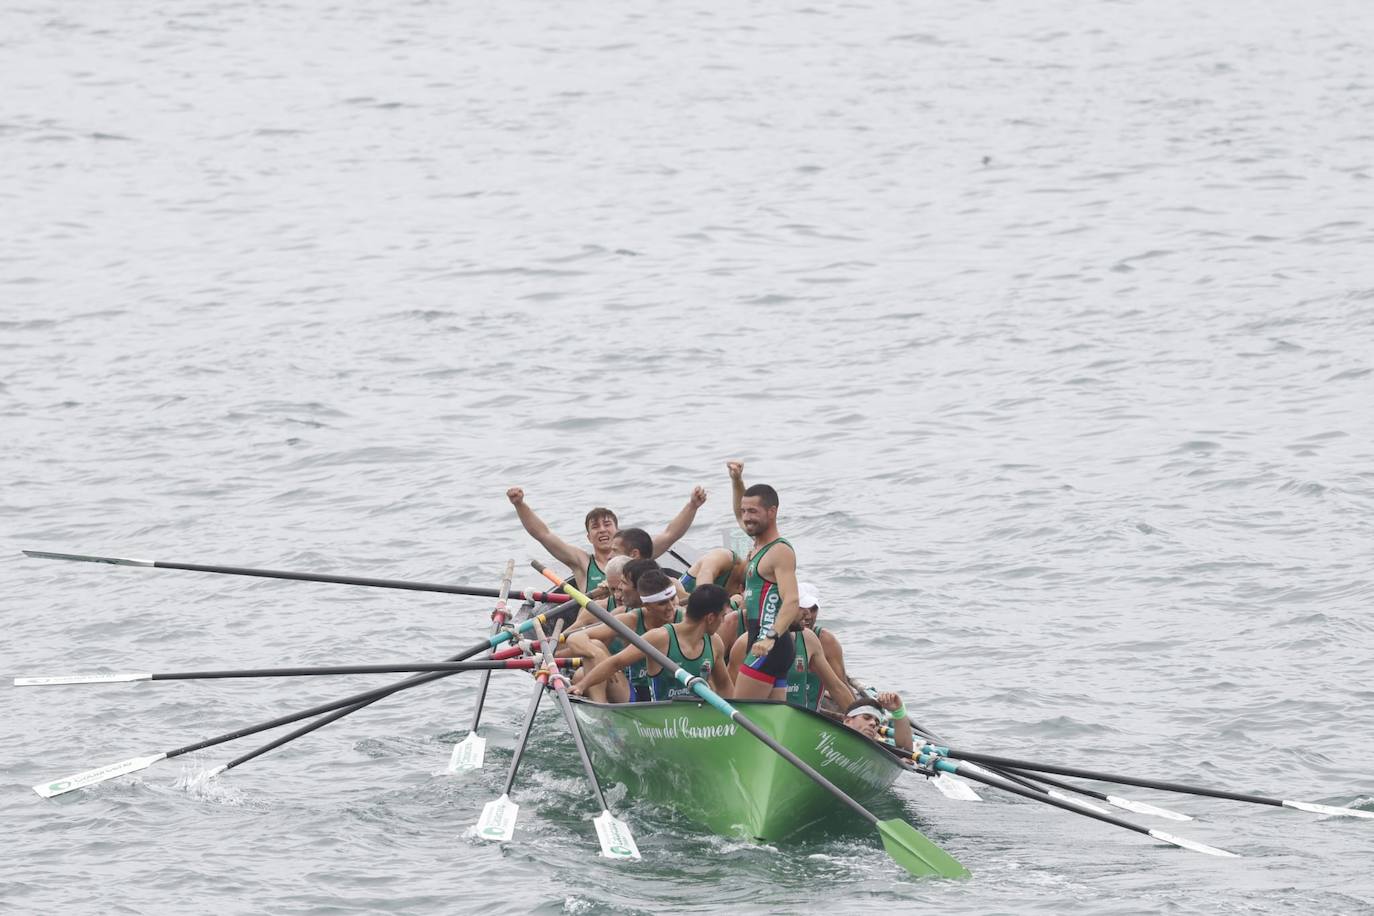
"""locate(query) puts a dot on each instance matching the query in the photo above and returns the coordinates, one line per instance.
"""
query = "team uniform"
(665, 686)
(595, 576)
(641, 690)
(762, 601)
(804, 687)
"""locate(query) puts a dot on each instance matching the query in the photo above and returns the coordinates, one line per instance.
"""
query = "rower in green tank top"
(692, 642)
(812, 674)
(657, 593)
(664, 686)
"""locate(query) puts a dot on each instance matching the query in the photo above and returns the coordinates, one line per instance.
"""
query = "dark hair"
(652, 581)
(764, 492)
(637, 539)
(636, 568)
(708, 599)
(862, 701)
(597, 515)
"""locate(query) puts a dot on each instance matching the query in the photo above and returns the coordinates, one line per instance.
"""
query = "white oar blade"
(1194, 845)
(468, 753)
(954, 787)
(1142, 808)
(113, 561)
(1085, 805)
(99, 774)
(616, 840)
(53, 679)
(497, 822)
(1330, 810)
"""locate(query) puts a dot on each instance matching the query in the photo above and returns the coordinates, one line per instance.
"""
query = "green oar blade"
(915, 852)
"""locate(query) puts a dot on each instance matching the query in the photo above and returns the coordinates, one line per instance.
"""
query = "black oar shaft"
(498, 617)
(1037, 767)
(1006, 785)
(357, 701)
(380, 694)
(395, 668)
(524, 736)
(353, 580)
(545, 646)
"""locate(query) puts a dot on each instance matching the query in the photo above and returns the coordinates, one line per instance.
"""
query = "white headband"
(668, 594)
(865, 711)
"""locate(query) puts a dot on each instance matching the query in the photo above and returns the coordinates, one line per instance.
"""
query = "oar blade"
(1329, 810)
(54, 679)
(1194, 845)
(1078, 802)
(955, 788)
(99, 774)
(468, 754)
(1139, 807)
(915, 852)
(81, 558)
(497, 822)
(616, 840)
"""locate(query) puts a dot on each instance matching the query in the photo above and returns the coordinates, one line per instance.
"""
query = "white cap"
(807, 596)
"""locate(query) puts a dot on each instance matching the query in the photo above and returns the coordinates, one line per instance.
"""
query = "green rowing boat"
(688, 756)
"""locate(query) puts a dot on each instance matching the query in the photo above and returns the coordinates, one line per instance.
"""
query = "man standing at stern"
(770, 592)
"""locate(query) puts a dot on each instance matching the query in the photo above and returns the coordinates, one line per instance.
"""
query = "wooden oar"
(300, 576)
(1038, 767)
(987, 777)
(497, 822)
(346, 705)
(486, 665)
(469, 753)
(904, 843)
(617, 842)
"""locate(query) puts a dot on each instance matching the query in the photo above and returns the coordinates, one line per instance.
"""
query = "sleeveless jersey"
(762, 600)
(665, 686)
(595, 576)
(638, 672)
(803, 686)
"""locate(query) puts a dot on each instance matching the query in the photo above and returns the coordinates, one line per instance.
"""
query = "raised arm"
(736, 469)
(680, 523)
(901, 726)
(565, 553)
(834, 684)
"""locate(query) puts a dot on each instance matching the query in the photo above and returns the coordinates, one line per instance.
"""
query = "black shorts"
(772, 668)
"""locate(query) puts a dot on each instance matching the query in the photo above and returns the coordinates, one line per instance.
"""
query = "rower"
(770, 593)
(634, 543)
(809, 600)
(657, 592)
(864, 716)
(812, 673)
(720, 566)
(692, 643)
(601, 526)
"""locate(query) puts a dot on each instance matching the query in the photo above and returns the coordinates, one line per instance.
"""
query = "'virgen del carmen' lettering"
(833, 756)
(682, 728)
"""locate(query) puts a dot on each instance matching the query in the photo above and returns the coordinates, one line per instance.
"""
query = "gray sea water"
(1052, 322)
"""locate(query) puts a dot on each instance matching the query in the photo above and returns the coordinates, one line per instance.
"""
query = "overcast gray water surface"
(1053, 323)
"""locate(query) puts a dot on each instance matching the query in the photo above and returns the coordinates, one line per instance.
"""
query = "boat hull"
(688, 756)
